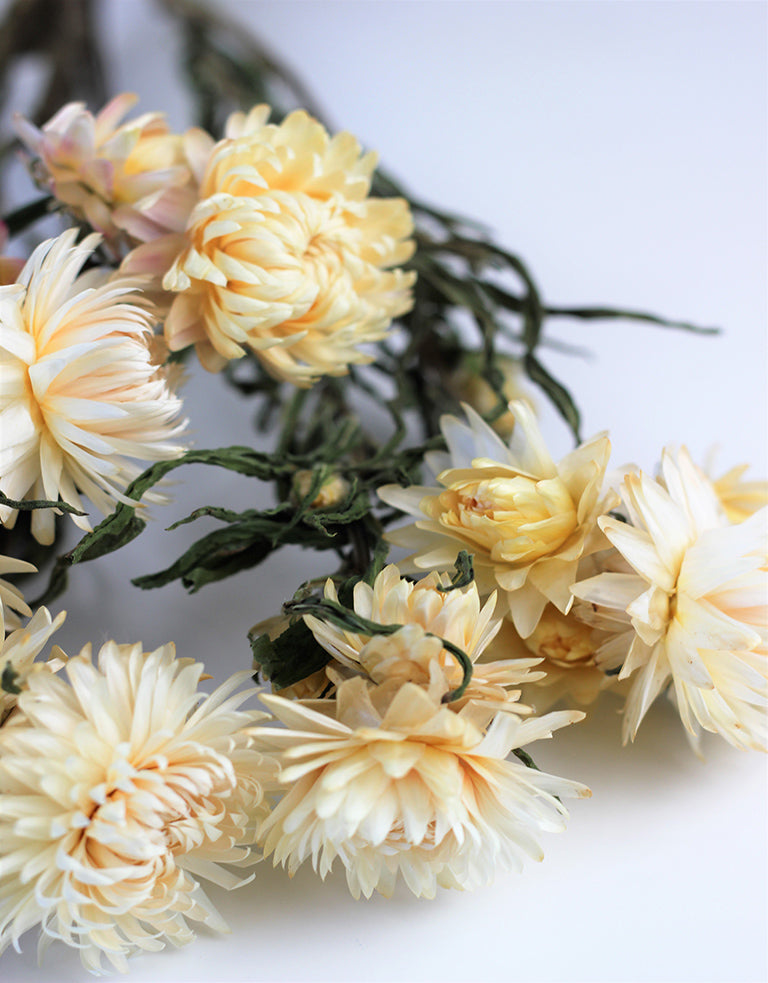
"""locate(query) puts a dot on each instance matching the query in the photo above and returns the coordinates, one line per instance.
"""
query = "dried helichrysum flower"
(133, 182)
(391, 781)
(455, 615)
(692, 614)
(527, 520)
(85, 394)
(286, 254)
(121, 787)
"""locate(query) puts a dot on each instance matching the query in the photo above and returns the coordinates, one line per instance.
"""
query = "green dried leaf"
(559, 395)
(249, 538)
(224, 515)
(377, 564)
(465, 572)
(116, 531)
(617, 313)
(8, 680)
(525, 758)
(123, 525)
(327, 521)
(214, 557)
(289, 658)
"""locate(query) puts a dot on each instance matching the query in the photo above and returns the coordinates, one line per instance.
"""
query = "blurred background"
(621, 149)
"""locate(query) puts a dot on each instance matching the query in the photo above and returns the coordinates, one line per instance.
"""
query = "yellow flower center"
(672, 602)
(562, 640)
(514, 519)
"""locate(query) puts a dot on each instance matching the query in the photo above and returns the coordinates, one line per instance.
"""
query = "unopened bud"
(331, 493)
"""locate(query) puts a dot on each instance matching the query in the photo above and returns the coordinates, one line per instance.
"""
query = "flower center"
(515, 519)
(564, 640)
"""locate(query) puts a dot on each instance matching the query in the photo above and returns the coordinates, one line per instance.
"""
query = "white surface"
(621, 149)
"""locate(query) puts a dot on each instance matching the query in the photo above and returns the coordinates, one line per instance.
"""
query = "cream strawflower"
(132, 182)
(18, 652)
(568, 648)
(12, 602)
(117, 792)
(454, 615)
(527, 520)
(407, 785)
(84, 394)
(286, 254)
(693, 612)
(572, 647)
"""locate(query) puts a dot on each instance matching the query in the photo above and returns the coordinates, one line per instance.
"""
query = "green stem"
(603, 313)
(23, 217)
(28, 504)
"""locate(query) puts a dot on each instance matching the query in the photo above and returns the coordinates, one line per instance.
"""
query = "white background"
(621, 149)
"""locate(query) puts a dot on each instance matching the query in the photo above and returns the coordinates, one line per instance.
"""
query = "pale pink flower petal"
(131, 181)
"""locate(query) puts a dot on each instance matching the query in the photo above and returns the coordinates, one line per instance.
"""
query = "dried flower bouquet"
(391, 353)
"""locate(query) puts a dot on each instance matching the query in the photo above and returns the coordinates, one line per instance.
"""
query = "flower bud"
(331, 493)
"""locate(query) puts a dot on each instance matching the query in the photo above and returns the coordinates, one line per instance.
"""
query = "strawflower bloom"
(132, 182)
(119, 789)
(286, 255)
(526, 520)
(692, 614)
(568, 648)
(422, 607)
(572, 647)
(398, 783)
(84, 395)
